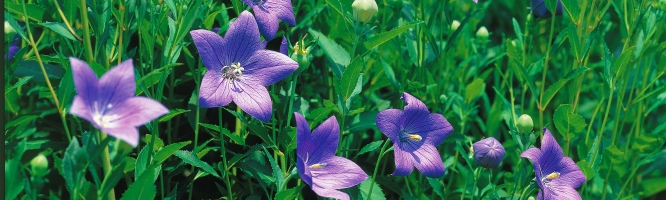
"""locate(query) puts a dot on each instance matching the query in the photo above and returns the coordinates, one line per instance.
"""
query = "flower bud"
(525, 124)
(488, 152)
(39, 165)
(482, 34)
(454, 25)
(530, 198)
(301, 55)
(363, 10)
(9, 30)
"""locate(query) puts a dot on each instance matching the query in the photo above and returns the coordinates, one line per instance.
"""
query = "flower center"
(318, 166)
(404, 136)
(101, 119)
(233, 72)
(550, 177)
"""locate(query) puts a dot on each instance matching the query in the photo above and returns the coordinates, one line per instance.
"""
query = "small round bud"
(530, 198)
(529, 18)
(482, 34)
(443, 98)
(488, 152)
(455, 24)
(363, 10)
(525, 124)
(9, 30)
(39, 165)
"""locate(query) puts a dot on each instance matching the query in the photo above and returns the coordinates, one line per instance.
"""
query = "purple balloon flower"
(488, 152)
(239, 69)
(268, 12)
(109, 103)
(415, 133)
(556, 175)
(317, 164)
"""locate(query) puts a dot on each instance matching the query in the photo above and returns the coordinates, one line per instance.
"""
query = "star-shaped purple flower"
(239, 68)
(268, 12)
(109, 103)
(415, 133)
(488, 152)
(317, 164)
(556, 175)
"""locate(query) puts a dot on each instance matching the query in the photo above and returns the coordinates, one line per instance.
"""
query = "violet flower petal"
(404, 161)
(209, 45)
(284, 46)
(80, 109)
(241, 40)
(136, 111)
(428, 161)
(214, 91)
(389, 124)
(85, 81)
(268, 12)
(253, 99)
(117, 84)
(339, 173)
(268, 67)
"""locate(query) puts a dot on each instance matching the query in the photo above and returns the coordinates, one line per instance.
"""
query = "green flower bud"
(363, 10)
(301, 55)
(9, 31)
(455, 24)
(39, 165)
(482, 34)
(525, 124)
(530, 198)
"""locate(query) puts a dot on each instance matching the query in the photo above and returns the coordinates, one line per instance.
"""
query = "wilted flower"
(415, 133)
(525, 124)
(488, 153)
(268, 12)
(239, 69)
(539, 9)
(556, 175)
(317, 164)
(109, 103)
(364, 10)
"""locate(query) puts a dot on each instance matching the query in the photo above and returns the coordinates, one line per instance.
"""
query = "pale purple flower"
(488, 152)
(239, 69)
(109, 103)
(415, 133)
(317, 164)
(556, 175)
(268, 12)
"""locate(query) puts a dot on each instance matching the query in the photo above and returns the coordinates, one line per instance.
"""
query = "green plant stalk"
(61, 111)
(224, 158)
(476, 178)
(106, 162)
(543, 74)
(603, 122)
(64, 19)
(86, 31)
(374, 174)
(594, 116)
(490, 180)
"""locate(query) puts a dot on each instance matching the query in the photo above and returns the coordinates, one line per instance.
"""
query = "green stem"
(224, 158)
(106, 162)
(86, 31)
(476, 178)
(545, 70)
(374, 174)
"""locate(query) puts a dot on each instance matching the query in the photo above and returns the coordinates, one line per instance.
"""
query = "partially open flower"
(363, 10)
(488, 153)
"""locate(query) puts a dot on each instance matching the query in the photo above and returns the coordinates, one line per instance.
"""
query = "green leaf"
(59, 28)
(384, 37)
(142, 161)
(576, 46)
(22, 81)
(388, 70)
(621, 63)
(571, 6)
(172, 113)
(72, 167)
(291, 193)
(189, 158)
(236, 138)
(586, 169)
(333, 51)
(35, 12)
(16, 26)
(277, 172)
(646, 95)
(437, 186)
(32, 68)
(319, 114)
(166, 152)
(349, 80)
(377, 192)
(66, 89)
(614, 164)
(369, 147)
(552, 90)
(652, 186)
(551, 5)
(210, 19)
(516, 29)
(143, 187)
(14, 172)
(567, 123)
(474, 89)
(646, 143)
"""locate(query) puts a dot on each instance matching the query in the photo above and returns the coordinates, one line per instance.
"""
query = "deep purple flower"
(109, 103)
(268, 12)
(539, 9)
(488, 152)
(13, 47)
(415, 133)
(317, 164)
(239, 69)
(556, 175)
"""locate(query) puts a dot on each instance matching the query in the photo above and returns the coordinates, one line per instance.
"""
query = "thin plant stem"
(224, 158)
(374, 174)
(106, 162)
(61, 111)
(476, 178)
(545, 70)
(86, 31)
(64, 19)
